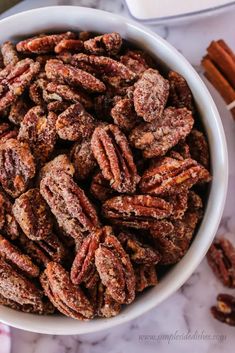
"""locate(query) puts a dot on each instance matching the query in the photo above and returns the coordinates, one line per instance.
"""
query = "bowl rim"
(213, 212)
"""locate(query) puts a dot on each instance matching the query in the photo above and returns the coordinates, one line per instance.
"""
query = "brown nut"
(156, 138)
(112, 152)
(18, 110)
(61, 163)
(224, 311)
(180, 95)
(69, 45)
(9, 53)
(83, 160)
(124, 115)
(17, 167)
(198, 147)
(108, 43)
(106, 305)
(100, 188)
(146, 276)
(137, 61)
(8, 225)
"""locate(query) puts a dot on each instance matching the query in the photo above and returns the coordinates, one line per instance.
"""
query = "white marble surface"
(187, 311)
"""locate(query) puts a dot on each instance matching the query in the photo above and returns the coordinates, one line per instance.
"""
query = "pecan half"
(66, 297)
(124, 115)
(57, 106)
(137, 61)
(84, 263)
(106, 305)
(82, 158)
(108, 43)
(199, 148)
(61, 163)
(137, 211)
(18, 110)
(170, 176)
(63, 73)
(69, 45)
(43, 43)
(100, 187)
(9, 54)
(15, 257)
(75, 123)
(179, 203)
(180, 95)
(8, 225)
(115, 270)
(14, 286)
(146, 276)
(156, 138)
(38, 130)
(71, 207)
(6, 132)
(31, 212)
(17, 167)
(150, 95)
(112, 152)
(224, 311)
(221, 258)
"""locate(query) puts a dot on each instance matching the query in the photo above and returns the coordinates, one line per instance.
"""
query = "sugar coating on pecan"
(69, 45)
(180, 95)
(9, 53)
(137, 61)
(179, 203)
(18, 110)
(58, 106)
(17, 167)
(16, 258)
(82, 158)
(198, 147)
(7, 132)
(108, 43)
(221, 258)
(56, 70)
(38, 130)
(171, 176)
(16, 287)
(66, 297)
(224, 311)
(150, 95)
(156, 138)
(42, 44)
(146, 276)
(115, 270)
(75, 123)
(124, 115)
(106, 305)
(137, 211)
(112, 152)
(100, 187)
(31, 212)
(61, 163)
(8, 225)
(69, 204)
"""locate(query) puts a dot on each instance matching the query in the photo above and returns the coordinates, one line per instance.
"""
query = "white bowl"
(75, 18)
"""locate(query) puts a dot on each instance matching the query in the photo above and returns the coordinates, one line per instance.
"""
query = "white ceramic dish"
(76, 18)
(175, 12)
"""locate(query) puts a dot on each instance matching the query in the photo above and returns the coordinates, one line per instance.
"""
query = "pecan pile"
(104, 170)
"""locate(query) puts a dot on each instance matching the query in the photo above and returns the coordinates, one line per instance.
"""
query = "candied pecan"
(179, 203)
(150, 95)
(38, 130)
(106, 305)
(75, 123)
(69, 94)
(221, 258)
(45, 309)
(108, 43)
(199, 148)
(71, 207)
(180, 151)
(18, 110)
(194, 201)
(57, 106)
(115, 270)
(64, 73)
(171, 176)
(43, 43)
(9, 54)
(180, 95)
(66, 297)
(14, 80)
(31, 212)
(14, 286)
(59, 163)
(100, 187)
(17, 167)
(156, 138)
(161, 228)
(8, 225)
(146, 276)
(84, 262)
(6, 132)
(112, 152)
(82, 158)
(137, 61)
(103, 105)
(124, 115)
(15, 257)
(138, 211)
(139, 253)
(224, 311)
(69, 45)
(111, 71)
(38, 94)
